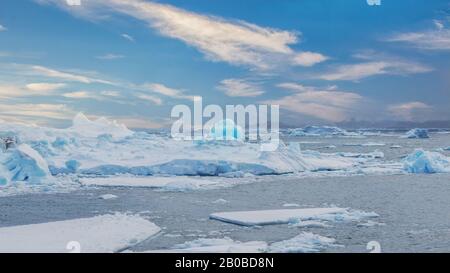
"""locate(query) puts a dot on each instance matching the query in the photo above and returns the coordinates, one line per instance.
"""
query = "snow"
(306, 242)
(421, 161)
(108, 196)
(416, 133)
(293, 216)
(99, 234)
(320, 131)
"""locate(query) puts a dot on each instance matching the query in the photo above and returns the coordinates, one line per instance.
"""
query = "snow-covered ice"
(99, 234)
(292, 216)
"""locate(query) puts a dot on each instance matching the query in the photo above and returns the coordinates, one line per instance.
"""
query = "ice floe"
(99, 234)
(216, 245)
(291, 216)
(305, 242)
(421, 161)
(416, 133)
(108, 196)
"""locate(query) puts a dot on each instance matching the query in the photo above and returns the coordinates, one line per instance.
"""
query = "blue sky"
(132, 60)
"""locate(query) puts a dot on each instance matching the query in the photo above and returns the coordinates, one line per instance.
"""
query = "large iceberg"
(421, 161)
(23, 164)
(320, 131)
(102, 126)
(417, 133)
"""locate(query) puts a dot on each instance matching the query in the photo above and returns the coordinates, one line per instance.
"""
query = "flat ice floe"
(290, 216)
(99, 234)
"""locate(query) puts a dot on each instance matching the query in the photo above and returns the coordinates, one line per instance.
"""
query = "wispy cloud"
(232, 41)
(128, 37)
(373, 64)
(110, 56)
(240, 88)
(328, 105)
(35, 111)
(166, 91)
(63, 75)
(78, 95)
(44, 87)
(432, 39)
(3, 28)
(409, 110)
(150, 98)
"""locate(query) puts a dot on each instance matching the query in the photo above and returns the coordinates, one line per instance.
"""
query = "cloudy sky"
(133, 60)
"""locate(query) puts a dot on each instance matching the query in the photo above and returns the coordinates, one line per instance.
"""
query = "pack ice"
(320, 131)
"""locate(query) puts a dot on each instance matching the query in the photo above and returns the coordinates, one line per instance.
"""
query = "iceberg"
(416, 133)
(421, 161)
(23, 164)
(99, 234)
(102, 126)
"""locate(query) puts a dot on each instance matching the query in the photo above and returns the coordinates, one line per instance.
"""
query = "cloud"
(110, 93)
(36, 111)
(45, 87)
(240, 88)
(333, 106)
(309, 58)
(67, 76)
(150, 98)
(166, 91)
(373, 64)
(127, 37)
(409, 110)
(232, 41)
(2, 28)
(78, 95)
(433, 39)
(110, 56)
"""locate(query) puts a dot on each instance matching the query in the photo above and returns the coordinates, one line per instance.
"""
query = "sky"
(322, 61)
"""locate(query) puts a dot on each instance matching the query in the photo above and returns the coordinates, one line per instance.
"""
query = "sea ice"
(421, 161)
(306, 242)
(220, 245)
(292, 216)
(108, 196)
(99, 234)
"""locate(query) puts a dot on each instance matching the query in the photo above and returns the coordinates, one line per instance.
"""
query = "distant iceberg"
(421, 161)
(102, 126)
(417, 133)
(320, 131)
